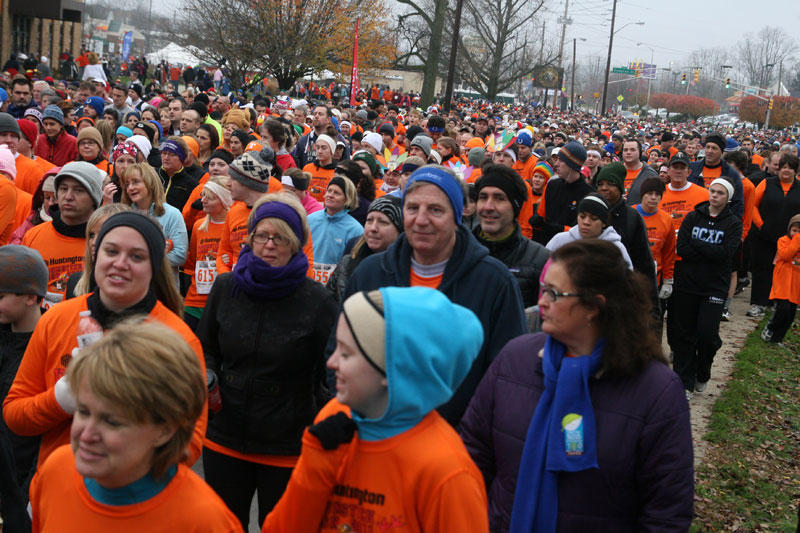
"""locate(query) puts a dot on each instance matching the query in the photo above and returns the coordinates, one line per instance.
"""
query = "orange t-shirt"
(525, 168)
(234, 236)
(786, 275)
(662, 239)
(420, 480)
(710, 174)
(678, 204)
(31, 407)
(190, 215)
(61, 502)
(63, 256)
(759, 194)
(203, 245)
(23, 210)
(320, 177)
(749, 191)
(29, 174)
(432, 282)
(630, 177)
(44, 163)
(8, 209)
(525, 214)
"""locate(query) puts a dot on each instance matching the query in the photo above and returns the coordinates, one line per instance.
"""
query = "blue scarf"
(257, 279)
(139, 491)
(561, 437)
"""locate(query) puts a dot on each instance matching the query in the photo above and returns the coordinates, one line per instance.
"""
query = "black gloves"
(197, 205)
(334, 430)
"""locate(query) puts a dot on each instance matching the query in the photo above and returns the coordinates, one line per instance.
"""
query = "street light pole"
(652, 59)
(608, 61)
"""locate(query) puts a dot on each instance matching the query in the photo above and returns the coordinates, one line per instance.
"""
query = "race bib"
(205, 272)
(323, 271)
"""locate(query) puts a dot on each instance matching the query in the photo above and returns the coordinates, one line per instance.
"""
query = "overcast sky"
(672, 28)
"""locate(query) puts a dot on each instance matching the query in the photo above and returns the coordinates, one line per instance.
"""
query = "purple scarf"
(257, 279)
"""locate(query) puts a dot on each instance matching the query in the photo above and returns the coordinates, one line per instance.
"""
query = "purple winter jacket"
(644, 444)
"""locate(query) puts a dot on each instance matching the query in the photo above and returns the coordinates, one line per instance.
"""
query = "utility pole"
(572, 90)
(608, 62)
(451, 69)
(541, 59)
(780, 77)
(564, 21)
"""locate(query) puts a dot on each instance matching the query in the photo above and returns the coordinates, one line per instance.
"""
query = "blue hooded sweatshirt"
(426, 360)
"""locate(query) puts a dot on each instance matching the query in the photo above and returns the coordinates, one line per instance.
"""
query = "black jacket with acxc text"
(706, 246)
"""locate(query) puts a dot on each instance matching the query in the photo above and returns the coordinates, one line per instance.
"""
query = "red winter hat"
(28, 129)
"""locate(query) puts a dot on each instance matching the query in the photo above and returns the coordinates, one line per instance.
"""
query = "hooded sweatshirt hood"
(574, 234)
(425, 362)
(794, 220)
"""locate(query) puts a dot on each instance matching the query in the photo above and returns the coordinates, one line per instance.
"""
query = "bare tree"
(712, 60)
(498, 44)
(286, 39)
(759, 54)
(421, 30)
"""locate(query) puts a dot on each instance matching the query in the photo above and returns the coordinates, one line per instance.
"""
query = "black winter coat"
(268, 357)
(524, 258)
(337, 283)
(178, 188)
(706, 245)
(561, 208)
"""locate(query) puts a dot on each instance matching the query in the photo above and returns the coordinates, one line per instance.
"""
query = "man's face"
(481, 126)
(10, 139)
(562, 169)
(82, 95)
(190, 121)
(617, 142)
(630, 153)
(388, 140)
(678, 173)
(175, 111)
(747, 144)
(299, 117)
(118, 97)
(524, 152)
(592, 159)
(37, 93)
(495, 211)
(132, 94)
(52, 128)
(666, 145)
(222, 104)
(428, 219)
(772, 163)
(558, 141)
(72, 91)
(320, 118)
(74, 201)
(21, 94)
(713, 153)
(261, 109)
(503, 158)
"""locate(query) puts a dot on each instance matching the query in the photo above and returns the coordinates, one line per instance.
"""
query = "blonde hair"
(152, 375)
(107, 133)
(151, 181)
(93, 58)
(350, 193)
(281, 226)
(101, 213)
(219, 180)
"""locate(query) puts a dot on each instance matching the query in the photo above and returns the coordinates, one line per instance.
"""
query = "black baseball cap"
(680, 157)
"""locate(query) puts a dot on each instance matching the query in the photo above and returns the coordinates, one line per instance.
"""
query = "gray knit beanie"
(87, 174)
(253, 169)
(424, 142)
(22, 270)
(9, 123)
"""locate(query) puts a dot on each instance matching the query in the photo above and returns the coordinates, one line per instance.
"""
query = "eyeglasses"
(552, 295)
(277, 240)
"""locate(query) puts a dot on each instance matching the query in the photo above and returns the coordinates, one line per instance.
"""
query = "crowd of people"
(367, 316)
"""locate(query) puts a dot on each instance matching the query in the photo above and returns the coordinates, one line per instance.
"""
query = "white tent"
(173, 54)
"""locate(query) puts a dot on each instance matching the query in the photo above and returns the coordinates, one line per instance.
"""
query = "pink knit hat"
(7, 164)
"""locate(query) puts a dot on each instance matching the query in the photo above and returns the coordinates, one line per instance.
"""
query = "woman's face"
(122, 268)
(786, 174)
(148, 115)
(717, 196)
(324, 153)
(364, 167)
(110, 447)
(120, 138)
(49, 200)
(203, 140)
(444, 151)
(164, 119)
(392, 178)
(211, 204)
(136, 189)
(470, 208)
(236, 146)
(217, 167)
(592, 160)
(131, 122)
(590, 226)
(111, 120)
(379, 231)
(537, 183)
(170, 162)
(565, 319)
(227, 129)
(93, 232)
(88, 149)
(334, 199)
(122, 162)
(273, 254)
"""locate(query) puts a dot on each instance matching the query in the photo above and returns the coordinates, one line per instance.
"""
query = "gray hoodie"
(574, 234)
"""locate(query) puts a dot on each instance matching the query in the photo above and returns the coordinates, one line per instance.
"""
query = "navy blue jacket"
(737, 203)
(473, 279)
(645, 479)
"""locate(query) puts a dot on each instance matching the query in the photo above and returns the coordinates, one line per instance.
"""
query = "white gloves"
(666, 289)
(64, 396)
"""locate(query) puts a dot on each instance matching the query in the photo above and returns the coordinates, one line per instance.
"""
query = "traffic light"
(683, 79)
(769, 106)
(727, 83)
(697, 75)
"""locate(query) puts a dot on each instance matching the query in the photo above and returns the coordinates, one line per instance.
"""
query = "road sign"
(623, 70)
(620, 98)
(597, 95)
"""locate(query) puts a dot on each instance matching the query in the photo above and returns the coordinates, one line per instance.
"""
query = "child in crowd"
(23, 285)
(407, 468)
(785, 284)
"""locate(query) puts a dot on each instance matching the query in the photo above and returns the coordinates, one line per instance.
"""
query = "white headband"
(223, 193)
(510, 152)
(593, 152)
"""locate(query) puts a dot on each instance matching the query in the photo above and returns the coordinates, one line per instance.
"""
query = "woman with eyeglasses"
(584, 426)
(264, 330)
